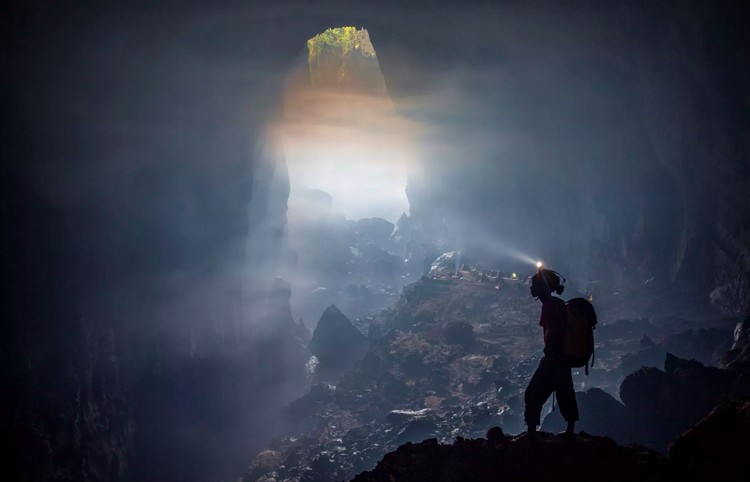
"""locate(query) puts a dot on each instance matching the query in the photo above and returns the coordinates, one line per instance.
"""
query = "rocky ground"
(713, 450)
(500, 457)
(453, 357)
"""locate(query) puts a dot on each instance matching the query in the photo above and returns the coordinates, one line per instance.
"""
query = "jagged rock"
(704, 345)
(716, 448)
(587, 458)
(336, 341)
(738, 357)
(652, 356)
(663, 404)
(446, 263)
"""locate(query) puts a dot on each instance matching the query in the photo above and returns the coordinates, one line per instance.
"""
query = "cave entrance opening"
(341, 134)
(347, 153)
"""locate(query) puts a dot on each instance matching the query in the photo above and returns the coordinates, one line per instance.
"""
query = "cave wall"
(133, 194)
(608, 139)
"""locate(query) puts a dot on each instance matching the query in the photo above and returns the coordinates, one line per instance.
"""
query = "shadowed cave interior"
(280, 242)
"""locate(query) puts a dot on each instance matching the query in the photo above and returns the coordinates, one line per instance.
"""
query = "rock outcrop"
(587, 458)
(660, 405)
(715, 448)
(738, 357)
(336, 342)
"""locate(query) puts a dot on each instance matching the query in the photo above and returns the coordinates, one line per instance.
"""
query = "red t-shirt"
(553, 322)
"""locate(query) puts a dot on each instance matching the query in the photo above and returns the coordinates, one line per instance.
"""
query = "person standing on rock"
(554, 372)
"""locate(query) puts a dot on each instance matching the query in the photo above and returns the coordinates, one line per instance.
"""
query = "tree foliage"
(334, 54)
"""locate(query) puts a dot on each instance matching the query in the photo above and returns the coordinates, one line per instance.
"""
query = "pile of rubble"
(453, 358)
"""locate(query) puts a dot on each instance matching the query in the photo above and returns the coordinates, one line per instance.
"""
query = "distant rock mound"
(660, 405)
(500, 457)
(657, 405)
(336, 342)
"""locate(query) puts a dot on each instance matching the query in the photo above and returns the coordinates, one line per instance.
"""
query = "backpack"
(579, 333)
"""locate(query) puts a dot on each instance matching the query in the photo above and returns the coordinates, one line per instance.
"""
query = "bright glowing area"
(340, 131)
(539, 264)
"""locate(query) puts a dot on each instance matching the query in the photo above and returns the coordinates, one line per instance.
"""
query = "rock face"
(587, 458)
(454, 356)
(66, 411)
(716, 448)
(660, 405)
(738, 357)
(124, 215)
(336, 342)
(657, 405)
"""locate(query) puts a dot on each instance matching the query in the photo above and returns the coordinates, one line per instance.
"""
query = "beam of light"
(341, 133)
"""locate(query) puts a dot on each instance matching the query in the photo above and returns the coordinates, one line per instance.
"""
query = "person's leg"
(540, 388)
(566, 398)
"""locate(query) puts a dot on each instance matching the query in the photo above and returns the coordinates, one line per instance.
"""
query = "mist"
(184, 200)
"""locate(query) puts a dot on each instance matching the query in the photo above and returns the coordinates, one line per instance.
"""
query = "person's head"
(544, 283)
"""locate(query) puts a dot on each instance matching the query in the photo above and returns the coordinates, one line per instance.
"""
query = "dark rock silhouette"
(336, 342)
(549, 457)
(660, 405)
(716, 448)
(738, 357)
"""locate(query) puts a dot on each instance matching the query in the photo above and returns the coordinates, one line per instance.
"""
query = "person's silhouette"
(553, 373)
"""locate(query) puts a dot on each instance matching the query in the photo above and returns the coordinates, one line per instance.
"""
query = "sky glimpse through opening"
(340, 131)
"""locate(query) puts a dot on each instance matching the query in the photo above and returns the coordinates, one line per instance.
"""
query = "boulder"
(660, 405)
(445, 264)
(336, 342)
